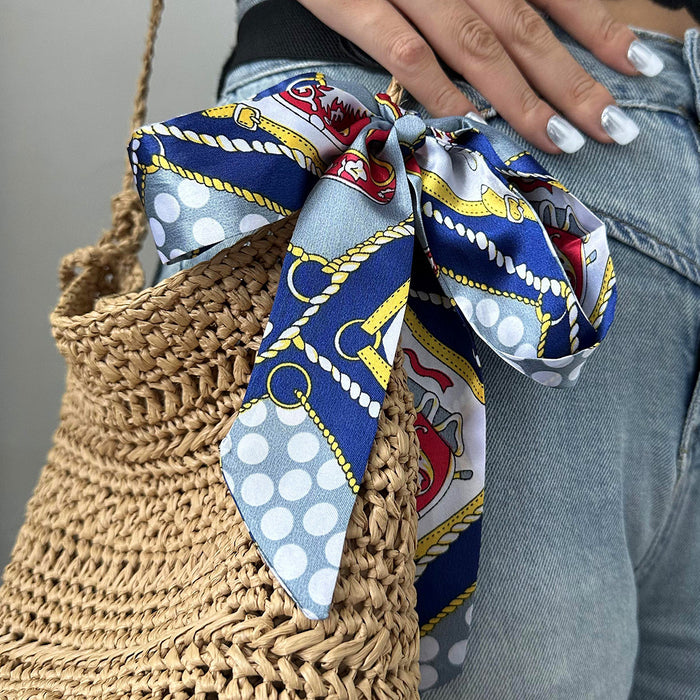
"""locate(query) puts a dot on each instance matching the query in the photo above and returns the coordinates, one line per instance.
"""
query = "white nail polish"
(476, 117)
(618, 125)
(645, 60)
(564, 134)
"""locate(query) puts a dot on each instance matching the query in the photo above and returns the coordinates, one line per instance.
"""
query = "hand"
(508, 53)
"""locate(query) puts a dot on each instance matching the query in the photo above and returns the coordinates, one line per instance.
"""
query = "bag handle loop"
(114, 259)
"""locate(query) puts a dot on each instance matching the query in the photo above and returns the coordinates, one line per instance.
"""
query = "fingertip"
(644, 59)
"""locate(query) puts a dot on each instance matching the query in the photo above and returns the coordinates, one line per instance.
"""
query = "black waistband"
(286, 29)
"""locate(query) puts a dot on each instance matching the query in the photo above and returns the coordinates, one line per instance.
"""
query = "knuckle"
(581, 89)
(526, 28)
(443, 99)
(408, 50)
(475, 38)
(529, 104)
(610, 29)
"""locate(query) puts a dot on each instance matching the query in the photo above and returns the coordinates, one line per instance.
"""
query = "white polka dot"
(252, 448)
(526, 351)
(458, 652)
(295, 484)
(334, 548)
(291, 416)
(157, 230)
(254, 415)
(290, 561)
(573, 375)
(251, 222)
(428, 676)
(330, 475)
(364, 400)
(465, 306)
(373, 409)
(166, 206)
(320, 519)
(487, 312)
(510, 330)
(135, 143)
(277, 523)
(207, 230)
(225, 446)
(266, 332)
(321, 586)
(176, 253)
(428, 647)
(162, 257)
(257, 489)
(547, 378)
(558, 361)
(303, 447)
(193, 194)
(468, 614)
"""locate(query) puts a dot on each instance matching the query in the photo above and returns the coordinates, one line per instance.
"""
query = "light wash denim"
(589, 578)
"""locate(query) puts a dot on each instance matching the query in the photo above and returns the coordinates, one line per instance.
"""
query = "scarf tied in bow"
(415, 231)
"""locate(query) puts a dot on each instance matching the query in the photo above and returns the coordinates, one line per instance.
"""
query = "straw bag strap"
(116, 251)
(115, 254)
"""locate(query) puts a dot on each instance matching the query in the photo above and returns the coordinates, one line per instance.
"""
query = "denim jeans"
(589, 578)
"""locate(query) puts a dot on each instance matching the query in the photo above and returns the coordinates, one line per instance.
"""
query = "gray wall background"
(67, 77)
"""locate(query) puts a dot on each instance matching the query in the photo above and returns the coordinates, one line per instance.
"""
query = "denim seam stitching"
(681, 488)
(665, 531)
(654, 107)
(693, 67)
(692, 264)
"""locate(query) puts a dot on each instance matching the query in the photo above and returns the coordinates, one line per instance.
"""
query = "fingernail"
(476, 117)
(564, 134)
(618, 125)
(645, 60)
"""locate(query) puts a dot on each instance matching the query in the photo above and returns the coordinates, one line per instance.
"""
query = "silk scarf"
(415, 231)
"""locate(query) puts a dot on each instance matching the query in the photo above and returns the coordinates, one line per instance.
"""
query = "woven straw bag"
(133, 574)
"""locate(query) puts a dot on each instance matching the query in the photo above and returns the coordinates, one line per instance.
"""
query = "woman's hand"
(507, 52)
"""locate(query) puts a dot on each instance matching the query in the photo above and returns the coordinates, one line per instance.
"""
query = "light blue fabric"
(589, 571)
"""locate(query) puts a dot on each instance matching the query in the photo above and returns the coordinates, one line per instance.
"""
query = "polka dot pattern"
(295, 484)
(303, 447)
(547, 378)
(167, 207)
(510, 330)
(429, 648)
(254, 415)
(252, 448)
(207, 231)
(428, 676)
(299, 516)
(320, 519)
(157, 230)
(252, 222)
(277, 523)
(290, 561)
(487, 312)
(193, 194)
(185, 215)
(257, 489)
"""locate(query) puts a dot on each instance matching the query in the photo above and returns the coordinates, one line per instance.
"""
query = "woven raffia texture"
(133, 575)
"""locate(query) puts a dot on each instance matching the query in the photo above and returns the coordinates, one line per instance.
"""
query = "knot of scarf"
(415, 231)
